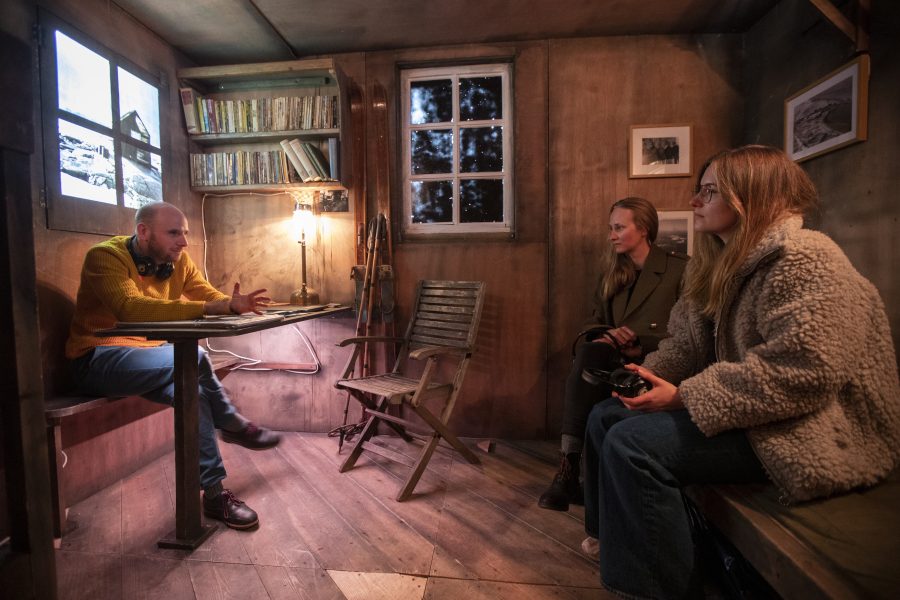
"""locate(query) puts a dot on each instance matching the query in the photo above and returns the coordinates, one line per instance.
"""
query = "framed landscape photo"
(659, 151)
(828, 114)
(676, 231)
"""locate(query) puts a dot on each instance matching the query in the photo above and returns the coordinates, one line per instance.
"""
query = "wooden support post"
(857, 32)
(189, 529)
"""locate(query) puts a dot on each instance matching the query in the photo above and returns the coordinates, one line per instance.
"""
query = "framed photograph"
(334, 201)
(828, 114)
(676, 231)
(659, 151)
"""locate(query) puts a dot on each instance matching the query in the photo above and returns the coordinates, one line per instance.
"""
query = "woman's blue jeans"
(635, 466)
(150, 373)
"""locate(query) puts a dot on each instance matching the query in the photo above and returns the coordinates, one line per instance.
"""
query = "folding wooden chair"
(441, 331)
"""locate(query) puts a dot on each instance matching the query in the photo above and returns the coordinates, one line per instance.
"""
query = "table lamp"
(304, 220)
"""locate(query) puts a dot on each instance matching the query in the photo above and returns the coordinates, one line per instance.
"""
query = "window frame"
(72, 213)
(455, 72)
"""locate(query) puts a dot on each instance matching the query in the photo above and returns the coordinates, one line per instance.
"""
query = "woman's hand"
(663, 396)
(623, 339)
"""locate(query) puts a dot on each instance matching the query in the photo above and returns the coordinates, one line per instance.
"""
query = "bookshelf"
(237, 117)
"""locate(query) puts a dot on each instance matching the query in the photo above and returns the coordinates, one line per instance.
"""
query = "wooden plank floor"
(469, 531)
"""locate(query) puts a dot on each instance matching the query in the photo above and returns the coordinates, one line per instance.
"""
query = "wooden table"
(189, 530)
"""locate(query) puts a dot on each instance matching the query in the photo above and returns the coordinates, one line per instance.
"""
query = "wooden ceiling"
(222, 31)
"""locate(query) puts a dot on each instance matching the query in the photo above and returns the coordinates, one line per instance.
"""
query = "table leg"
(189, 529)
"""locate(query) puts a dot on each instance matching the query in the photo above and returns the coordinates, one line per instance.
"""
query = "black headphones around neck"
(146, 266)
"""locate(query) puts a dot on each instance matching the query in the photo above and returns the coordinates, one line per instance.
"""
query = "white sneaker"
(591, 547)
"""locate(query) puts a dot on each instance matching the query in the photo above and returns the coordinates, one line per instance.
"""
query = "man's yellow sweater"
(111, 290)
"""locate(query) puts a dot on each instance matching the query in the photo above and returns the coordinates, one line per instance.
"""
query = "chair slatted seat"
(442, 330)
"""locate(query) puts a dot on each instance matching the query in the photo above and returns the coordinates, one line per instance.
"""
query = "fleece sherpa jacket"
(800, 355)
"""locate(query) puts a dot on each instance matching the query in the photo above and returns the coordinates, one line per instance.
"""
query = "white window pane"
(481, 201)
(431, 101)
(83, 81)
(432, 201)
(480, 98)
(139, 107)
(142, 174)
(86, 164)
(432, 151)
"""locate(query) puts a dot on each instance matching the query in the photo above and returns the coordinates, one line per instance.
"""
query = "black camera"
(622, 381)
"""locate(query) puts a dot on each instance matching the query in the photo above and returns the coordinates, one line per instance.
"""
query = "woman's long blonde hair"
(762, 186)
(619, 270)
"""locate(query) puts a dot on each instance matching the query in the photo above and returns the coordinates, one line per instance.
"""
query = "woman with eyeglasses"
(639, 286)
(780, 367)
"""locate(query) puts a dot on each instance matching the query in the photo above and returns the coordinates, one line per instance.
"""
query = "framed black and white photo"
(332, 201)
(828, 114)
(676, 231)
(659, 151)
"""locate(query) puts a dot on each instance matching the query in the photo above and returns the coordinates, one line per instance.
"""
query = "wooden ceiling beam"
(857, 32)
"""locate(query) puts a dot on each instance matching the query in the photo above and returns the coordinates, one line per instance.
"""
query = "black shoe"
(253, 437)
(231, 511)
(565, 488)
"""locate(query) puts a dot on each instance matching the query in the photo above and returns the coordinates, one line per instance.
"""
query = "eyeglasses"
(705, 192)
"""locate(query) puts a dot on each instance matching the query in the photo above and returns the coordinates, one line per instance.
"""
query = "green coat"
(655, 292)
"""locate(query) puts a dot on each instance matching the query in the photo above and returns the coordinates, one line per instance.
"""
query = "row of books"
(297, 162)
(242, 168)
(256, 115)
(309, 161)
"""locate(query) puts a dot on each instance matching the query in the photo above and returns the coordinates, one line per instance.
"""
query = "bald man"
(150, 277)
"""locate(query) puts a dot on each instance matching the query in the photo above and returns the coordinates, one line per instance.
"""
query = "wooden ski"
(358, 165)
(383, 202)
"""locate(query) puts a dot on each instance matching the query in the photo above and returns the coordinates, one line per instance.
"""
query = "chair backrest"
(447, 313)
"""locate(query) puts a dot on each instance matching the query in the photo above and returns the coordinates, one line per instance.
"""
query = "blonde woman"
(640, 283)
(780, 367)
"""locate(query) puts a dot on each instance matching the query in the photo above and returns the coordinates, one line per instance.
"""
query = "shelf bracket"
(857, 32)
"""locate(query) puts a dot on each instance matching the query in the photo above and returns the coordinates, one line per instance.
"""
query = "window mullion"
(116, 131)
(456, 157)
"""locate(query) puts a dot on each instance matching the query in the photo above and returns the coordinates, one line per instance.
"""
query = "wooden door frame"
(27, 561)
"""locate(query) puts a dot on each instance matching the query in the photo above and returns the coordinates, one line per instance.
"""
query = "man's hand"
(241, 303)
(238, 303)
(663, 396)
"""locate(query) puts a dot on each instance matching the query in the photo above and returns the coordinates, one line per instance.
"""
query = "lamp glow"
(303, 225)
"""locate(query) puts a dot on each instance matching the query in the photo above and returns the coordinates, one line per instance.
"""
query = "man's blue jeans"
(635, 466)
(150, 373)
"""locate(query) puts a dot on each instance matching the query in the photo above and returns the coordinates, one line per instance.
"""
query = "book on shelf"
(320, 163)
(334, 158)
(295, 161)
(208, 115)
(241, 167)
(297, 145)
(189, 98)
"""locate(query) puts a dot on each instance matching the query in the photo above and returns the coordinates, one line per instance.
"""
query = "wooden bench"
(58, 408)
(842, 547)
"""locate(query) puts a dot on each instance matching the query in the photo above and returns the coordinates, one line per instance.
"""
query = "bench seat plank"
(66, 406)
(841, 547)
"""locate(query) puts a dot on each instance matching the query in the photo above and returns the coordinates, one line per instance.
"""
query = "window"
(102, 143)
(457, 150)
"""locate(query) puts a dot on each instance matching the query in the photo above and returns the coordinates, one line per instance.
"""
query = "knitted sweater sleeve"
(106, 272)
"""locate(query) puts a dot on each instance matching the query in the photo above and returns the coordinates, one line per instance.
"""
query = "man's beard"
(158, 253)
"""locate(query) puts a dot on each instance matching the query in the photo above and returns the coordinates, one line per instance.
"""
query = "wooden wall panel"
(284, 400)
(505, 390)
(598, 88)
(111, 442)
(139, 434)
(787, 50)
